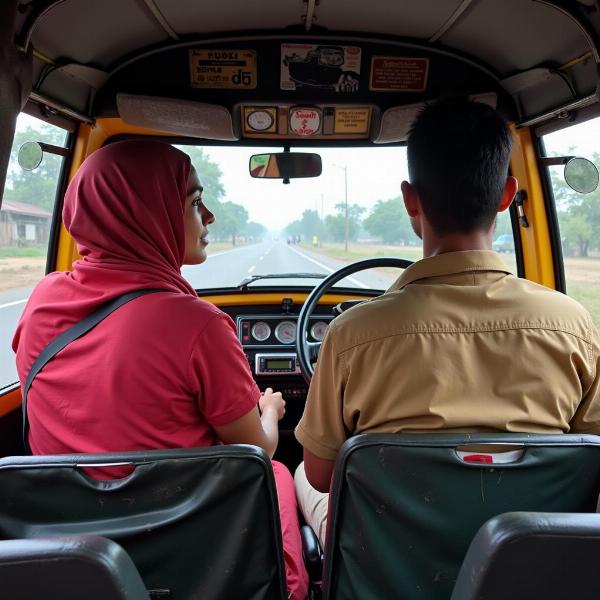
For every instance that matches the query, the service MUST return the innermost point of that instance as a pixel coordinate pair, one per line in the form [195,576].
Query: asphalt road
[223,269]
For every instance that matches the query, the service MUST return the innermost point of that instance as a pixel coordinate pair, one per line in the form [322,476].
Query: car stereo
[276,364]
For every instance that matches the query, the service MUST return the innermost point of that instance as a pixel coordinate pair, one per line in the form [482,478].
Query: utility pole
[346,208]
[346,221]
[322,206]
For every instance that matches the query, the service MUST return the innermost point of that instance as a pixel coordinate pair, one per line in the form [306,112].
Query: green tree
[336,224]
[309,225]
[389,221]
[231,220]
[209,174]
[578,214]
[255,231]
[36,187]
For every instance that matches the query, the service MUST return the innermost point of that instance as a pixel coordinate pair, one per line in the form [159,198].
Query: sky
[373,174]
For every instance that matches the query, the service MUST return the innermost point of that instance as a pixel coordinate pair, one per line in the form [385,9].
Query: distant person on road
[457,343]
[165,370]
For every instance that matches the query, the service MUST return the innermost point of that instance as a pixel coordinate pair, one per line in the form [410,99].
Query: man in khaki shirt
[458,343]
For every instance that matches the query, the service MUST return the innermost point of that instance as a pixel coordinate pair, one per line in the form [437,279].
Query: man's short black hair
[458,153]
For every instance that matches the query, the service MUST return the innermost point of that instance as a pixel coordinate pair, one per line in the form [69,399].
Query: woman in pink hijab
[165,370]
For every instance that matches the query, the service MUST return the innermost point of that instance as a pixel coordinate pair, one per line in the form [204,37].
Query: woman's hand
[260,430]
[271,400]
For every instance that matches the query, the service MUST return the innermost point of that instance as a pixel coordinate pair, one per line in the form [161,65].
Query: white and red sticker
[305,121]
[398,74]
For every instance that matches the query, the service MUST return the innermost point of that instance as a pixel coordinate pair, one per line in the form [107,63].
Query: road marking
[319,264]
[14,303]
[251,268]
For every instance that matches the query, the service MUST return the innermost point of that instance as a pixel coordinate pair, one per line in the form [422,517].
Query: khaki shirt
[457,343]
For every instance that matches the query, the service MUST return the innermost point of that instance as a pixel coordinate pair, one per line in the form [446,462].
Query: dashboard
[268,337]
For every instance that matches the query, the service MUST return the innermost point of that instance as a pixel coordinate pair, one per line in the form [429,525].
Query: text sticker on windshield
[351,120]
[230,69]
[313,66]
[393,74]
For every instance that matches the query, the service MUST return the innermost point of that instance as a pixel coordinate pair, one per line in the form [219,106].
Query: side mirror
[581,175]
[285,165]
[30,156]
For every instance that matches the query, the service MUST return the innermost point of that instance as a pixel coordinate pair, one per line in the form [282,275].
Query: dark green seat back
[68,568]
[201,523]
[527,555]
[404,508]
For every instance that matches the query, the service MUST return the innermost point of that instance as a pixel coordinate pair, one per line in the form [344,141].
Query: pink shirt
[160,372]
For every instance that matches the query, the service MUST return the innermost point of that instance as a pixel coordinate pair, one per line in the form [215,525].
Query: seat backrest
[197,523]
[404,508]
[532,555]
[69,568]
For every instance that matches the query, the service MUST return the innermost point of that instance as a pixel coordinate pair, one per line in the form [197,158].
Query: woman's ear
[510,190]
[411,199]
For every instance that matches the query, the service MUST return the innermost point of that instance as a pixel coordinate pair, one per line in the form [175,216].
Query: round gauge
[285,332]
[260,120]
[318,330]
[261,331]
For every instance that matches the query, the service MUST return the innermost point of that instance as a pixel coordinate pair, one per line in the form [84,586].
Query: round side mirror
[30,156]
[581,175]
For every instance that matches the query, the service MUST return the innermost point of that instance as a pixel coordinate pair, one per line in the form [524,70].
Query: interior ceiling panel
[105,31]
[541,35]
[96,32]
[415,19]
[191,16]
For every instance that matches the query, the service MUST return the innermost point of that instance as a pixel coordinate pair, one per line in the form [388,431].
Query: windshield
[313,226]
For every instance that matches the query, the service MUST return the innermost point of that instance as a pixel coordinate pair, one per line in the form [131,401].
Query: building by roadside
[23,224]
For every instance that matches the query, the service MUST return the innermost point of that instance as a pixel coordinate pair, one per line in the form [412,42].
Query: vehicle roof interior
[537,56]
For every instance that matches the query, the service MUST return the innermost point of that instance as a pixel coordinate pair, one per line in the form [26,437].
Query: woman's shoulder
[183,307]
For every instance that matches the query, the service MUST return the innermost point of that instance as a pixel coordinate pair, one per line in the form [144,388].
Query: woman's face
[196,218]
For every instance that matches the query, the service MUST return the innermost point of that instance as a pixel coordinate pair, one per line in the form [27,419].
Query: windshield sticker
[260,119]
[351,120]
[334,68]
[230,69]
[393,74]
[305,121]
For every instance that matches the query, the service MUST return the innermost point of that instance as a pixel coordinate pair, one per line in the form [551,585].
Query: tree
[578,214]
[36,187]
[209,174]
[255,231]
[389,221]
[308,226]
[336,224]
[231,220]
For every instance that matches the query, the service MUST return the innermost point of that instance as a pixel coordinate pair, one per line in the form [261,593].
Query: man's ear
[508,195]
[411,199]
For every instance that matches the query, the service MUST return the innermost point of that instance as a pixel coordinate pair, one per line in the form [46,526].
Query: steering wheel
[309,351]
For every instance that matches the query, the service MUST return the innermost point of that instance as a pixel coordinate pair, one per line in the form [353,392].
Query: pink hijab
[124,208]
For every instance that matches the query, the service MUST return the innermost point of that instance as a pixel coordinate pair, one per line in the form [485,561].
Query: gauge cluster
[267,330]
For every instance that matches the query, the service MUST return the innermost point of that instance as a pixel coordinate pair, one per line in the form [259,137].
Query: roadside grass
[15,252]
[359,251]
[215,247]
[583,280]
[587,294]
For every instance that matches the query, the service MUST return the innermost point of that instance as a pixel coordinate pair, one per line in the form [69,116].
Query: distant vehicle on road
[503,243]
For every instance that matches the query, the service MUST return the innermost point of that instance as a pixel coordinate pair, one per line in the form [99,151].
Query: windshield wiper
[243,285]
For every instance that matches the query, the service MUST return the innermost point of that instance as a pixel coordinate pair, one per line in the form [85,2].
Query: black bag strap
[65,338]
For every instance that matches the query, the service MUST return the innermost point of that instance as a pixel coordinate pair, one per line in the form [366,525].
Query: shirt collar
[451,263]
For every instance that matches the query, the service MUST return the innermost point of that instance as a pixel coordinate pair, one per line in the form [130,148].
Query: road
[229,268]
[223,269]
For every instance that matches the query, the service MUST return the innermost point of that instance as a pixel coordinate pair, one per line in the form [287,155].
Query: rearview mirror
[285,165]
[581,175]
